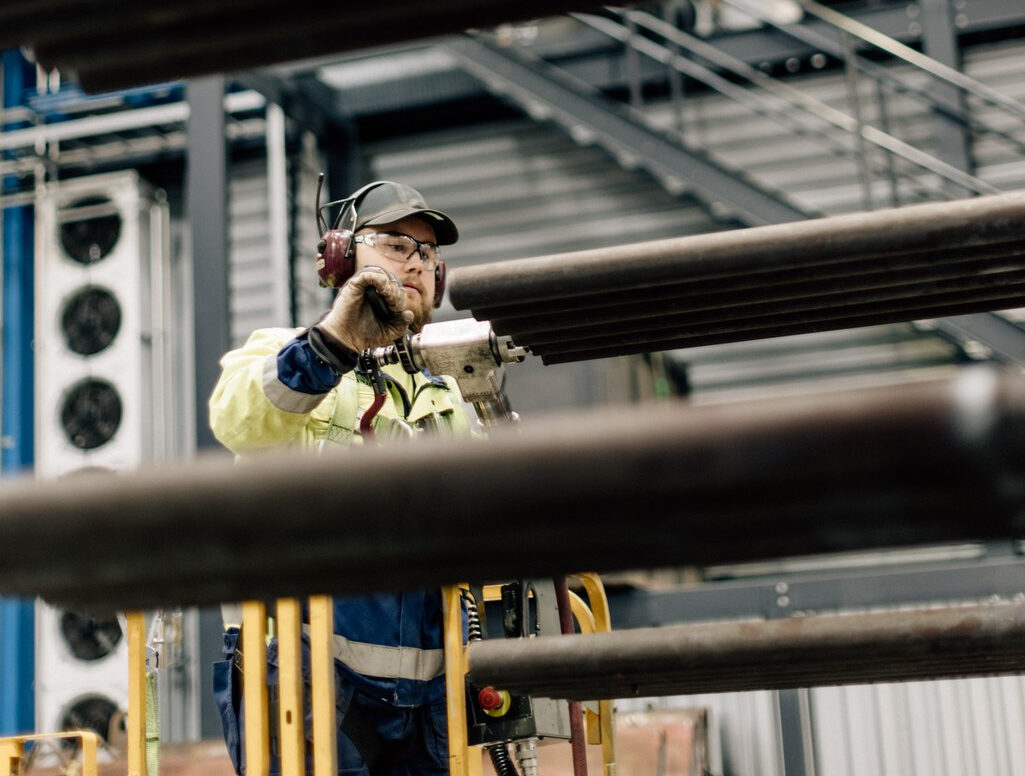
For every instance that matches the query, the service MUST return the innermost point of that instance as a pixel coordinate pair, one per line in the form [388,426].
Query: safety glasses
[400,247]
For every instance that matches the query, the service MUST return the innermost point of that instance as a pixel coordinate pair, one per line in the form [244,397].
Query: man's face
[418,282]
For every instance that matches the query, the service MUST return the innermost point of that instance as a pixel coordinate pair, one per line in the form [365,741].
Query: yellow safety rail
[290,687]
[593,618]
[136,718]
[12,750]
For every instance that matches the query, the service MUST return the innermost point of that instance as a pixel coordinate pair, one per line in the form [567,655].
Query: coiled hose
[499,753]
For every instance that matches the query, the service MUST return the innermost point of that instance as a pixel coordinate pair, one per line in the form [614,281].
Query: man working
[302,388]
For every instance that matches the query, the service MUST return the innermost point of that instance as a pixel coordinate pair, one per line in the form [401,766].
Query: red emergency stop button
[489,698]
[495,703]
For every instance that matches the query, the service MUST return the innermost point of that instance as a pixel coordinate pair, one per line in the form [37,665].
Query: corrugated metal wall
[519,188]
[964,727]
[249,255]
[252,269]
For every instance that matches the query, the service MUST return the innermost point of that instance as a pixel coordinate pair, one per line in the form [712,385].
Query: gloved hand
[351,321]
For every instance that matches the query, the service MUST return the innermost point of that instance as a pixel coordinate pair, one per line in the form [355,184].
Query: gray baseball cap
[388,201]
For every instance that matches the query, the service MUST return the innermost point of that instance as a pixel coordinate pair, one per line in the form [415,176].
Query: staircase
[844,143]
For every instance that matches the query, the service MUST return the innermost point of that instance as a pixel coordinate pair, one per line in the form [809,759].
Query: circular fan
[88,240]
[90,321]
[90,712]
[91,413]
[89,638]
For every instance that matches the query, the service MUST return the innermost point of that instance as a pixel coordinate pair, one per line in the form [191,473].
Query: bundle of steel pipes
[624,488]
[924,261]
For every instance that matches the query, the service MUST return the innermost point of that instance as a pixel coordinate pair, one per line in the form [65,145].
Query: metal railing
[846,134]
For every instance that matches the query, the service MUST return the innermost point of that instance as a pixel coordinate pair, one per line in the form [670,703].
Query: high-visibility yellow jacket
[275,392]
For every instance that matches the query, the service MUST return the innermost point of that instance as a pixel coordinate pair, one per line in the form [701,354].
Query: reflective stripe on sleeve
[283,397]
[378,660]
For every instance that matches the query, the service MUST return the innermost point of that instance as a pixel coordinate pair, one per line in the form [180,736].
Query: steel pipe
[759,655]
[831,273]
[671,485]
[781,287]
[774,326]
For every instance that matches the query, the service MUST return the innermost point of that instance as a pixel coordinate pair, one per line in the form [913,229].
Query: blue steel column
[17,646]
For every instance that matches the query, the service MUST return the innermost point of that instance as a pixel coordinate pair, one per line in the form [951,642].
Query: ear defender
[336,259]
[336,253]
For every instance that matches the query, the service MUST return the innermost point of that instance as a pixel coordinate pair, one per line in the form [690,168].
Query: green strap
[152,749]
[343,419]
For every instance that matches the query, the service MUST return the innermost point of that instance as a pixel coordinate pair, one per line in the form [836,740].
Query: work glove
[352,321]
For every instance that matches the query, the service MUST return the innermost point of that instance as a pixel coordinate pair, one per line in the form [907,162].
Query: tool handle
[380,308]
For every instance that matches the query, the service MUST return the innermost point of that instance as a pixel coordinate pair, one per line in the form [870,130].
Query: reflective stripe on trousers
[414,663]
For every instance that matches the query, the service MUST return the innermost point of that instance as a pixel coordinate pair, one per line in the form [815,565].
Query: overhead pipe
[831,273]
[807,651]
[110,45]
[937,461]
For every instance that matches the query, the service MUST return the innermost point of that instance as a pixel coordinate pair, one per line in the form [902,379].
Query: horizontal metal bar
[928,462]
[121,121]
[934,226]
[758,655]
[893,579]
[1005,338]
[158,44]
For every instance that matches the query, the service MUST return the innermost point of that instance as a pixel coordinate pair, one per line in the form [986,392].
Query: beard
[423,310]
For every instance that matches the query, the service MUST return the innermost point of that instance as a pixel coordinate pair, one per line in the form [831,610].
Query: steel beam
[1002,337]
[668,486]
[206,178]
[924,261]
[758,655]
[774,595]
